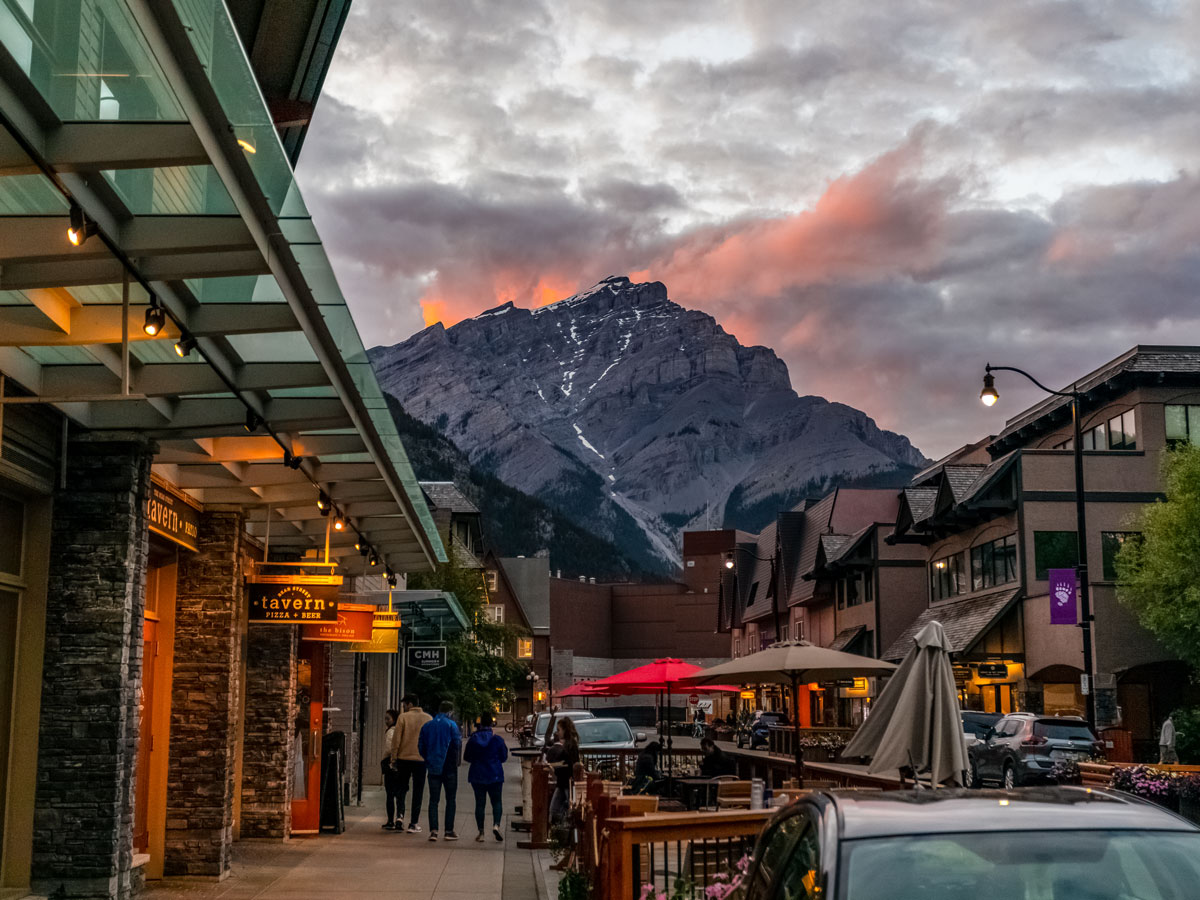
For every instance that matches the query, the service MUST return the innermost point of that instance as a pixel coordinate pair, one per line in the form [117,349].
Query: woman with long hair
[563,755]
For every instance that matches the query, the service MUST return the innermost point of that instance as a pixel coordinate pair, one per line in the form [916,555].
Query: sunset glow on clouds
[888,195]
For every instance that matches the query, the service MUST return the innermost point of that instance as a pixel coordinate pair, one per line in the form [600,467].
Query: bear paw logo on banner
[1062,594]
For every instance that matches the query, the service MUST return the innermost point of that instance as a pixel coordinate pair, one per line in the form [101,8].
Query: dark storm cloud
[888,194]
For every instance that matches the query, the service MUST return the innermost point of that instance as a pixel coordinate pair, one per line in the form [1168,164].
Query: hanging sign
[172,517]
[290,604]
[993,670]
[747,695]
[1062,596]
[383,640]
[427,658]
[353,623]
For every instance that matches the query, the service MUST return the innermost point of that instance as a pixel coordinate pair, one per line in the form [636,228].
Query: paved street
[368,861]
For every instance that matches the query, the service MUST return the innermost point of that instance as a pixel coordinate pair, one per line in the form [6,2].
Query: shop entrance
[12,537]
[310,710]
[997,698]
[141,806]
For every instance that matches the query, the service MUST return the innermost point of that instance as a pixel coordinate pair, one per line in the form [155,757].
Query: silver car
[544,723]
[607,734]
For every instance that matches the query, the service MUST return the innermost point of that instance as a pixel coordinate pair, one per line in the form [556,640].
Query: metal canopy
[160,136]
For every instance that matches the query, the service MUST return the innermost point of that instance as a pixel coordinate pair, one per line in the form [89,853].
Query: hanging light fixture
[323,502]
[360,546]
[339,524]
[373,559]
[81,227]
[156,318]
[185,345]
[391,578]
[729,560]
[253,420]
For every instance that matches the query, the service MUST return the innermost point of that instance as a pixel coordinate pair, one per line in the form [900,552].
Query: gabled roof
[529,579]
[965,621]
[959,480]
[446,495]
[846,637]
[920,502]
[758,570]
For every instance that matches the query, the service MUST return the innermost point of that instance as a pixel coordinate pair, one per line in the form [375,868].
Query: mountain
[514,524]
[634,416]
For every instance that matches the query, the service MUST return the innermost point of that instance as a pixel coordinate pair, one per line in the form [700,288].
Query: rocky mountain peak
[632,414]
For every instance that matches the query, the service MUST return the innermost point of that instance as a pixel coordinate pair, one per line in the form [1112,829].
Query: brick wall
[268,754]
[83,818]
[204,702]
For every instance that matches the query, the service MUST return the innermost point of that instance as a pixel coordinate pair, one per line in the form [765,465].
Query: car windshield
[1062,731]
[543,722]
[597,731]
[1056,865]
[978,725]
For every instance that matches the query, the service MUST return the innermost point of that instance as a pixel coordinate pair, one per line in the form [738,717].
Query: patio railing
[618,765]
[663,848]
[816,744]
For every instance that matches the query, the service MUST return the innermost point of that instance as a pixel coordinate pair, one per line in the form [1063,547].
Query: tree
[479,672]
[1158,577]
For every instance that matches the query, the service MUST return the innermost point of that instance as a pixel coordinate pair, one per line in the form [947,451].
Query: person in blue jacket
[440,745]
[486,751]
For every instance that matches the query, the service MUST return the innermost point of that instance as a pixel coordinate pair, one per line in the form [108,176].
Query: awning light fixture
[253,420]
[185,345]
[81,227]
[323,502]
[339,524]
[156,318]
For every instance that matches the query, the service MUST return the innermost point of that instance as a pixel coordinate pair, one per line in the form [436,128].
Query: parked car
[755,734]
[607,734]
[547,721]
[1050,843]
[976,726]
[1022,748]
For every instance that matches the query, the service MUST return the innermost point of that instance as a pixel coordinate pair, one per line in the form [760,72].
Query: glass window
[948,576]
[1111,543]
[1183,423]
[994,563]
[773,853]
[1054,550]
[801,878]
[1148,865]
[525,648]
[1122,433]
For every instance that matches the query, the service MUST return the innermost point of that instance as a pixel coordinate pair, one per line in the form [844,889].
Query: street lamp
[730,564]
[989,396]
[531,677]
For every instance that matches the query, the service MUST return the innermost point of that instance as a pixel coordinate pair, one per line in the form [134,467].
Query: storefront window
[1054,550]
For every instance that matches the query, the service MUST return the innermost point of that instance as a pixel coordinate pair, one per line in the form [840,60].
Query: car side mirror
[640,737]
[991,733]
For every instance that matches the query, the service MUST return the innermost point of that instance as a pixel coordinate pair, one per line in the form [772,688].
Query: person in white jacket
[1166,744]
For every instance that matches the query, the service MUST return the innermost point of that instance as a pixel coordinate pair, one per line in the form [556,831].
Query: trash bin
[1118,744]
[333,774]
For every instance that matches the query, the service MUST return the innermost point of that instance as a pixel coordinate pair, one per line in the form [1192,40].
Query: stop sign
[694,699]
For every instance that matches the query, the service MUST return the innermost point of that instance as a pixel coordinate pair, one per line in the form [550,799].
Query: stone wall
[204,701]
[88,738]
[268,749]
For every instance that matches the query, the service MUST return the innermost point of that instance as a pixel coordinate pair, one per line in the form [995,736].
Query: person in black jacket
[716,761]
[645,772]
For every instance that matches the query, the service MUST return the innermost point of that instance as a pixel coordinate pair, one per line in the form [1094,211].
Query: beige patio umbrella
[916,721]
[794,663]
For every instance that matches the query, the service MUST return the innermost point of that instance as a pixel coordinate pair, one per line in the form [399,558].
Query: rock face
[634,416]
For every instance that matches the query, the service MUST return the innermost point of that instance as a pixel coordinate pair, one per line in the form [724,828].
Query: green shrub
[1187,735]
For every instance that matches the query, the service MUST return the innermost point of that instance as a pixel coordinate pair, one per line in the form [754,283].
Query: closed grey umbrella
[916,721]
[794,663]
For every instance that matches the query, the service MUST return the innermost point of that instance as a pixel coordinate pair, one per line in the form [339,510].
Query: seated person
[716,761]
[646,773]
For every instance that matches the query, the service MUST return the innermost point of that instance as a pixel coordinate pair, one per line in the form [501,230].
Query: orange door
[141,805]
[310,708]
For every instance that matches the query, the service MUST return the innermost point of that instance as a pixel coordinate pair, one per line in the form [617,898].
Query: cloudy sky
[887,194]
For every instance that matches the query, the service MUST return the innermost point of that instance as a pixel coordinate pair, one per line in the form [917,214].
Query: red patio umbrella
[660,675]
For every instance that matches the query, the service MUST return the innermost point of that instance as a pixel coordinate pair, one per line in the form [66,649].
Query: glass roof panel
[30,195]
[60,356]
[14,298]
[163,351]
[325,391]
[101,72]
[107,294]
[238,289]
[291,346]
[172,191]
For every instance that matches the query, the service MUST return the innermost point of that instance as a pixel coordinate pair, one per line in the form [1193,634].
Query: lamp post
[989,396]
[531,677]
[730,563]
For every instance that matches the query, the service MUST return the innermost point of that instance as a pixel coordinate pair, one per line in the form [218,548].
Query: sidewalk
[368,861]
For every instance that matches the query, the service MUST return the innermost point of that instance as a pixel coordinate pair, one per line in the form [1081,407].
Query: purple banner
[1063,597]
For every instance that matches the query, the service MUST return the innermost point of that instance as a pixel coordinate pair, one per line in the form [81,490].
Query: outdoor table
[691,787]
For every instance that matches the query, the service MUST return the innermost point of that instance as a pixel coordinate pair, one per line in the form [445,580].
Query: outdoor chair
[733,795]
[713,789]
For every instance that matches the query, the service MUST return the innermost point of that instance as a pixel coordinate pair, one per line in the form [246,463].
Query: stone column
[92,673]
[268,749]
[204,701]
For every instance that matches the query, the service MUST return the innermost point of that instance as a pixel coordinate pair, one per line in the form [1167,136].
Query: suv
[1049,842]
[757,731]
[1023,748]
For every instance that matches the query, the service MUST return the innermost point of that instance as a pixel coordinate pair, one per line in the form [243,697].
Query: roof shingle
[964,621]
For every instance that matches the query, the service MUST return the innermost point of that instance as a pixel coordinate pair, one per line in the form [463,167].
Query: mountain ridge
[633,415]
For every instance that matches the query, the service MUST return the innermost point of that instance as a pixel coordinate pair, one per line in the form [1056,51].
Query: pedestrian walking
[1166,744]
[391,778]
[486,751]
[440,745]
[407,762]
[562,755]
